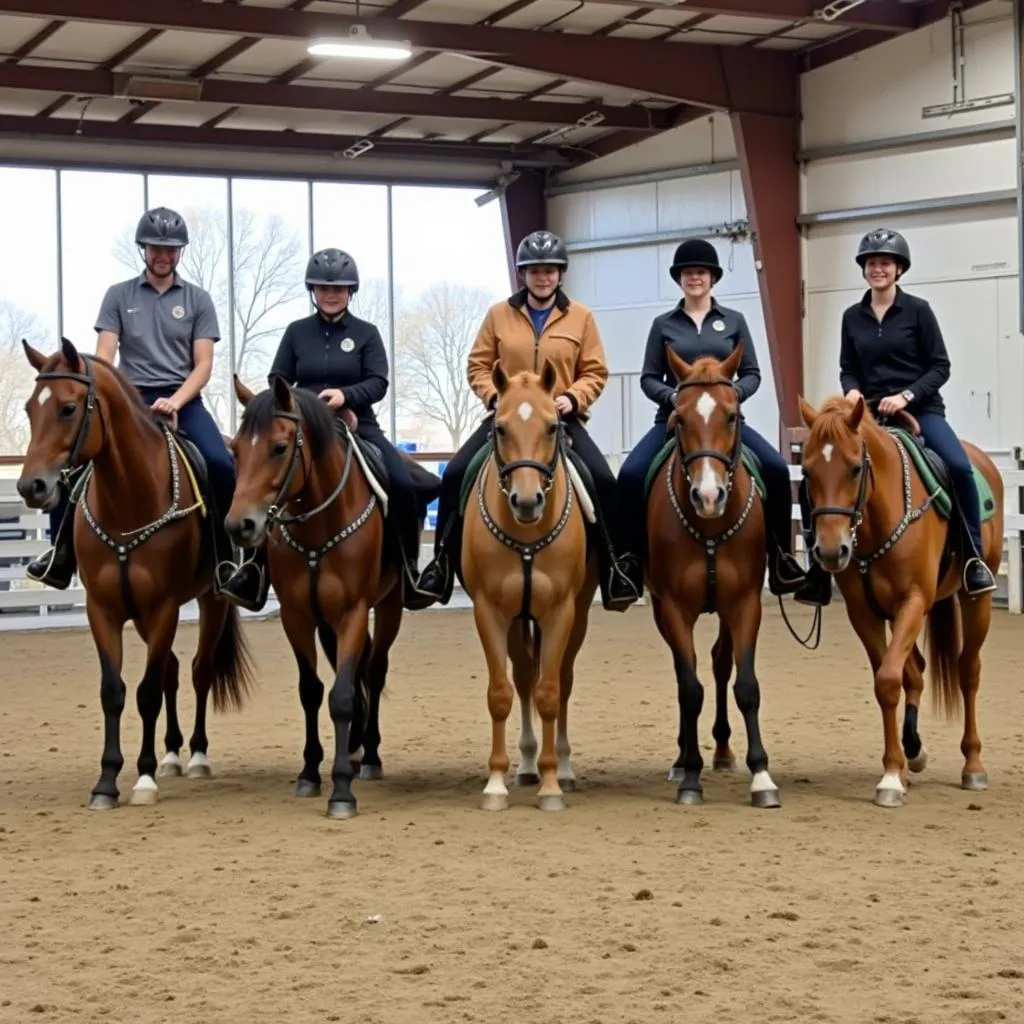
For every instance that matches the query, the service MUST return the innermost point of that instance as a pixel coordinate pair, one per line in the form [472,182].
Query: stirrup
[988,588]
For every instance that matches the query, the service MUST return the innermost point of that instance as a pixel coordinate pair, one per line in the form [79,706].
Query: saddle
[749,459]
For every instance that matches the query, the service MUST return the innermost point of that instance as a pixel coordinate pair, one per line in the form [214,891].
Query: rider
[165,329]
[535,323]
[698,326]
[893,355]
[343,361]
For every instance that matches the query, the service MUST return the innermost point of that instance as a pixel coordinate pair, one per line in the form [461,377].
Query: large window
[28,290]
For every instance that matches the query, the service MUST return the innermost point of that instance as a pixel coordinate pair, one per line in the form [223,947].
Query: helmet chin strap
[538,298]
[161,277]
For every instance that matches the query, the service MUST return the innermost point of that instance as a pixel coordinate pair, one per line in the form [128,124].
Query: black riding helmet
[161,226]
[332,267]
[541,248]
[884,242]
[695,252]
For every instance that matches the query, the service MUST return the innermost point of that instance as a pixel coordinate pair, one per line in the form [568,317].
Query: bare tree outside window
[16,375]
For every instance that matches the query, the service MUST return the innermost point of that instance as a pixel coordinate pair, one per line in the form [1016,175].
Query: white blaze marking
[254,440]
[706,406]
[44,396]
[525,411]
[708,487]
[826,452]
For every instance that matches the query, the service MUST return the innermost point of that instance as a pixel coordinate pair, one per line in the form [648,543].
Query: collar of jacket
[342,321]
[518,301]
[897,302]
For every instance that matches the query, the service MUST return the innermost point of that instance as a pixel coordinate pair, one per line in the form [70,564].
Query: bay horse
[303,490]
[526,566]
[879,530]
[707,553]
[143,542]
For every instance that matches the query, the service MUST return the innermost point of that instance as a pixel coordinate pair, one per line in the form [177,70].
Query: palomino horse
[709,558]
[143,551]
[524,563]
[303,490]
[873,518]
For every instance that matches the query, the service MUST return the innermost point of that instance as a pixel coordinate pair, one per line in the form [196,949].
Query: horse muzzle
[835,558]
[247,531]
[40,492]
[526,509]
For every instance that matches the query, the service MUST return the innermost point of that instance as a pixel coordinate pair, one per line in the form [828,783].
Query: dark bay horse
[302,490]
[895,558]
[526,567]
[706,553]
[143,551]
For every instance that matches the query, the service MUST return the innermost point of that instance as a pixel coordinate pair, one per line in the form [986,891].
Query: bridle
[546,469]
[855,513]
[91,405]
[730,459]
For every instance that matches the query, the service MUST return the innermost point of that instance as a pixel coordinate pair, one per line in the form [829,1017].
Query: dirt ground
[231,901]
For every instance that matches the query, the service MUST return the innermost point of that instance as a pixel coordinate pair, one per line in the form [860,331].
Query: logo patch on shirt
[347,345]
[178,312]
[719,325]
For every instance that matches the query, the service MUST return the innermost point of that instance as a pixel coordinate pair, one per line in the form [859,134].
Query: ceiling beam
[721,77]
[73,130]
[48,30]
[106,84]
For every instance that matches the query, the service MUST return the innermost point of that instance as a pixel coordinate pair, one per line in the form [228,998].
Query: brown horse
[705,525]
[525,566]
[302,489]
[143,551]
[874,520]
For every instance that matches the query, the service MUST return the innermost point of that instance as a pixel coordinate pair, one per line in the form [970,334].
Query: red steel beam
[767,148]
[104,83]
[721,77]
[523,209]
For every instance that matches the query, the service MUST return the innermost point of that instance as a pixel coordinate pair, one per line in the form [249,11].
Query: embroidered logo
[178,312]
[719,325]
[347,345]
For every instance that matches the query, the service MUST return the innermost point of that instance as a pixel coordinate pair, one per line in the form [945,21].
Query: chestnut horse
[706,548]
[302,489]
[525,565]
[143,551]
[878,530]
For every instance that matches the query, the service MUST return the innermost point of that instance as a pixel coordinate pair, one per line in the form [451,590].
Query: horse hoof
[724,764]
[340,810]
[976,781]
[494,802]
[889,798]
[304,788]
[371,772]
[199,767]
[675,773]
[170,767]
[765,798]
[144,793]
[690,797]
[551,802]
[568,785]
[527,779]
[102,802]
[919,763]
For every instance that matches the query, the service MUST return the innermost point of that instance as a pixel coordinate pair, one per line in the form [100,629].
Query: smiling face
[881,272]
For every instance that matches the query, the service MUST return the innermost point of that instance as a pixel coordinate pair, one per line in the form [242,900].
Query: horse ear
[34,356]
[498,377]
[807,412]
[548,377]
[856,414]
[729,366]
[242,393]
[679,366]
[283,395]
[70,354]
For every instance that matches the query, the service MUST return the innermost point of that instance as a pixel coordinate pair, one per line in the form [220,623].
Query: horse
[144,546]
[328,568]
[526,566]
[710,557]
[875,518]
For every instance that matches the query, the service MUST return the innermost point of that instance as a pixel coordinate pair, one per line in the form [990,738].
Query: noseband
[546,469]
[856,513]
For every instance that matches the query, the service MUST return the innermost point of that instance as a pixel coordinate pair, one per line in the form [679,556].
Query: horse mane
[261,411]
[130,390]
[831,426]
[705,370]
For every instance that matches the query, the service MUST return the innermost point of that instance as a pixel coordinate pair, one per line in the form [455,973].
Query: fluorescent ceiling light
[359,44]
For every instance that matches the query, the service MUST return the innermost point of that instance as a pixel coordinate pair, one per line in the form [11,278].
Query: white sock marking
[761,782]
[891,780]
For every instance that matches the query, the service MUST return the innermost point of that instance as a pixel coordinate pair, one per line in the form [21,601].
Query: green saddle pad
[936,488]
[750,460]
[472,472]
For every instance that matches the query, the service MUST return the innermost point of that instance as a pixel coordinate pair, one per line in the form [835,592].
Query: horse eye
[68,410]
[732,418]
[499,430]
[855,470]
[279,448]
[552,429]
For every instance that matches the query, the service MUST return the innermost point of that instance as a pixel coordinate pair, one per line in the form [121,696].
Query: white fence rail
[25,604]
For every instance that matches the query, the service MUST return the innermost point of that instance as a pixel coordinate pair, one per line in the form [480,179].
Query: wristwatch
[908,395]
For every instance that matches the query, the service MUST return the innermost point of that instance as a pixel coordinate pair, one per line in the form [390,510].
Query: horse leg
[301,633]
[387,620]
[341,702]
[913,687]
[675,773]
[524,671]
[493,634]
[160,632]
[107,634]
[721,663]
[584,600]
[554,642]
[213,614]
[975,619]
[744,625]
[170,763]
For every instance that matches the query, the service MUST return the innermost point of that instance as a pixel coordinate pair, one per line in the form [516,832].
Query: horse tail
[232,665]
[944,655]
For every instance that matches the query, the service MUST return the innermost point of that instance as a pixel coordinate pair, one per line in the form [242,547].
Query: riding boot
[816,590]
[977,578]
[56,566]
[248,583]
[413,599]
[438,578]
[785,574]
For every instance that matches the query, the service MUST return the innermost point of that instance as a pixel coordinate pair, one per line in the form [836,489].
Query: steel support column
[767,149]
[1018,90]
[523,209]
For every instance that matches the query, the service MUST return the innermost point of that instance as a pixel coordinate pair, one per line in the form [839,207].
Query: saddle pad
[750,460]
[375,484]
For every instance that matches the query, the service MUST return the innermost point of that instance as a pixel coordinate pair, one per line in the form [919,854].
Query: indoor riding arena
[426,138]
